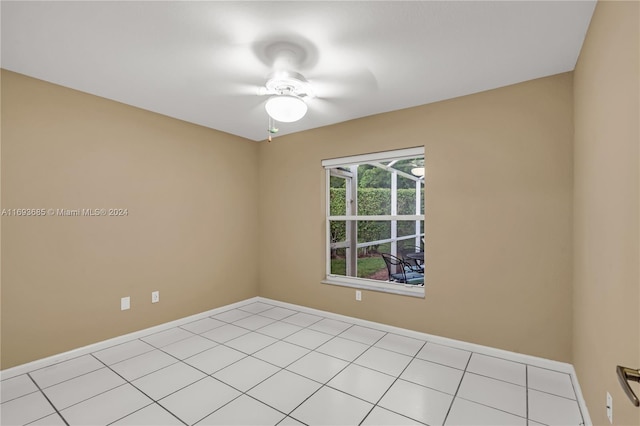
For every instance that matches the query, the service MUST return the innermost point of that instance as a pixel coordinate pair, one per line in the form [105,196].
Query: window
[375,221]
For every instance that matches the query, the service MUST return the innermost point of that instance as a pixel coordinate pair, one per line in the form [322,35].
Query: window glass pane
[338,231]
[370,176]
[336,182]
[371,265]
[373,230]
[409,246]
[338,262]
[405,227]
[406,184]
[338,201]
[367,262]
[406,201]
[374,190]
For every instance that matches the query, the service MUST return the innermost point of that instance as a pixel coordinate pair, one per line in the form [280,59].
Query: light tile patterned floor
[261,364]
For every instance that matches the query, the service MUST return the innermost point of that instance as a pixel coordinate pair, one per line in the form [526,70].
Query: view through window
[375,221]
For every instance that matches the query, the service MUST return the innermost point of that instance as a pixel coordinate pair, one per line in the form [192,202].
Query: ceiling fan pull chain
[272,129]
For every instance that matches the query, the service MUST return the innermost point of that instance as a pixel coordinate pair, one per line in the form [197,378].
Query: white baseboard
[472,347]
[74,353]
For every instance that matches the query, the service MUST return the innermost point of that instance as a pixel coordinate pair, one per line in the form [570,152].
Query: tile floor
[261,364]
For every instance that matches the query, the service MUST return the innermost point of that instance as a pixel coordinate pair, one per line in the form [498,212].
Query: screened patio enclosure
[376,208]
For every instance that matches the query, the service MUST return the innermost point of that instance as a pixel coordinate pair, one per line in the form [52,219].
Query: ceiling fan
[288,89]
[290,94]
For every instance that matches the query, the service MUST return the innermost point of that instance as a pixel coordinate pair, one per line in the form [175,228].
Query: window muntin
[374,205]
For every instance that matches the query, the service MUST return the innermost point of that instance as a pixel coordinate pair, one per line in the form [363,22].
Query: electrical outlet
[155,296]
[358,295]
[125,303]
[609,408]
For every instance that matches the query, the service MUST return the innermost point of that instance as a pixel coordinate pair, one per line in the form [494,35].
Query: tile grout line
[86,399]
[331,338]
[48,400]
[245,357]
[516,384]
[303,328]
[393,383]
[526,394]
[488,377]
[499,380]
[128,358]
[555,395]
[314,350]
[135,387]
[576,400]
[142,408]
[146,374]
[20,396]
[207,375]
[179,360]
[251,355]
[455,395]
[322,385]
[55,384]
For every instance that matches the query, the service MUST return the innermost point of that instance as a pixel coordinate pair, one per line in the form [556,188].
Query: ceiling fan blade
[321,106]
[349,84]
[244,89]
[290,52]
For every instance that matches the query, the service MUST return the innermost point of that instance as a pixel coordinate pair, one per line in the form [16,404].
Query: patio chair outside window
[400,271]
[417,264]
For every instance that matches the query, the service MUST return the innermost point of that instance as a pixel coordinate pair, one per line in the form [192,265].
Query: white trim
[580,398]
[471,347]
[345,244]
[74,353]
[396,154]
[327,226]
[549,364]
[380,286]
[399,172]
[379,217]
[394,212]
[562,367]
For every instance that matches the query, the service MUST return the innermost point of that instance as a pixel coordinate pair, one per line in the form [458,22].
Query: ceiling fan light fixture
[286,108]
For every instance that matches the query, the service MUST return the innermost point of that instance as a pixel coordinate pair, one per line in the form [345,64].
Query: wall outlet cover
[125,303]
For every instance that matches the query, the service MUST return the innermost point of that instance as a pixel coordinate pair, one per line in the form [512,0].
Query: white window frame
[364,283]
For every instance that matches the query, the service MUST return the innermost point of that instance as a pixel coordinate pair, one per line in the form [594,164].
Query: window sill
[383,287]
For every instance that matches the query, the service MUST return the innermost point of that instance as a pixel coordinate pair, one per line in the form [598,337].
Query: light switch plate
[609,408]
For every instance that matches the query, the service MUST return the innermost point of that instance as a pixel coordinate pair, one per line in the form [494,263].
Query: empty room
[320,213]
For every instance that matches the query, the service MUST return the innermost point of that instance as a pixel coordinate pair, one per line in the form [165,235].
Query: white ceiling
[203,62]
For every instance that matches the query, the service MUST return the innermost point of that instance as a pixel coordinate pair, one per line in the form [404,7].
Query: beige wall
[498,217]
[606,232]
[190,232]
